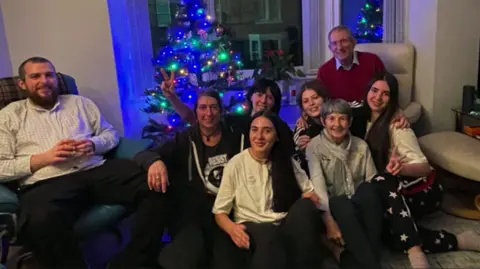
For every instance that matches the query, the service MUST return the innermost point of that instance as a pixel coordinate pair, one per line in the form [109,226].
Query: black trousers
[192,243]
[49,208]
[293,243]
[360,221]
[402,211]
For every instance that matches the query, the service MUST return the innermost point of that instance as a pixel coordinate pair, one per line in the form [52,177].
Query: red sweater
[350,85]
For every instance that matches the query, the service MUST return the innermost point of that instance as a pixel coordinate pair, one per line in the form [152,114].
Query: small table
[457,155]
[461,117]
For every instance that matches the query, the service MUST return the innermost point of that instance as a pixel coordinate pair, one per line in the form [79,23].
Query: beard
[46,102]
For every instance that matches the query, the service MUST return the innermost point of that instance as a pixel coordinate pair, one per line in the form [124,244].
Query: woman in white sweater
[271,225]
[340,168]
[409,190]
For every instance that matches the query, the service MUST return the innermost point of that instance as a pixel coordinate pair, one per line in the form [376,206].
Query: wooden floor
[454,260]
[440,220]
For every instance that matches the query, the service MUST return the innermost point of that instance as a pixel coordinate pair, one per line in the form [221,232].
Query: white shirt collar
[31,104]
[355,61]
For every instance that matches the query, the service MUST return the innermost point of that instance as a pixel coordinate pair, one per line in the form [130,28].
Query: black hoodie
[185,161]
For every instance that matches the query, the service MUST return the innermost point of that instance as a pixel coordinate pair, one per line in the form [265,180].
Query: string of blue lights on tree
[370,23]
[199,52]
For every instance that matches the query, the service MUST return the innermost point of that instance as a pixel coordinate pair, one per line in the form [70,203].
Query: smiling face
[262,101]
[262,135]
[337,126]
[208,112]
[40,83]
[312,103]
[378,96]
[341,44]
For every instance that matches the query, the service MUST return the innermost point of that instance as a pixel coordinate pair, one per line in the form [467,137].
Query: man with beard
[53,145]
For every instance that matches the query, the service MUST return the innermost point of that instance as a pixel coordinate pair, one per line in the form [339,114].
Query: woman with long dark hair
[409,188]
[271,225]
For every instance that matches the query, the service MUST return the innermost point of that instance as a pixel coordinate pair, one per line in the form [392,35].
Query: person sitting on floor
[410,189]
[271,226]
[341,168]
[53,145]
[195,161]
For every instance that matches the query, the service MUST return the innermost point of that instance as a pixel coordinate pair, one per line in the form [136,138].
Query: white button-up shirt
[27,129]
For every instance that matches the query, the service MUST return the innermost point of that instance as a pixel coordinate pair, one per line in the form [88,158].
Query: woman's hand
[239,236]
[302,142]
[168,84]
[395,164]
[158,177]
[312,196]
[333,232]
[399,121]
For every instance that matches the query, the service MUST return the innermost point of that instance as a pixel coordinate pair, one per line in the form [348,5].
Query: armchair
[399,60]
[102,222]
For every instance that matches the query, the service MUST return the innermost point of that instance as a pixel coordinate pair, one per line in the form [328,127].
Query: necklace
[207,136]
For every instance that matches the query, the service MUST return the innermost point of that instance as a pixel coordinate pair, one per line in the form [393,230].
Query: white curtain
[393,21]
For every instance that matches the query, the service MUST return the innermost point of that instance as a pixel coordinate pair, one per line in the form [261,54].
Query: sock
[418,260]
[468,240]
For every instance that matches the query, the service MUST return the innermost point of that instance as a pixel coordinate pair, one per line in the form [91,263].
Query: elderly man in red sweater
[347,73]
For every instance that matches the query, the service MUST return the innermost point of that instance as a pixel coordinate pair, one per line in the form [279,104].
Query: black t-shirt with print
[215,158]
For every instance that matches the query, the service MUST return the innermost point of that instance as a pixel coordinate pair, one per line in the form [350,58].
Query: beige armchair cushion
[454,152]
[398,60]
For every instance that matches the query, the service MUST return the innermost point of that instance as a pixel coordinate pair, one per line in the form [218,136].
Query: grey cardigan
[338,169]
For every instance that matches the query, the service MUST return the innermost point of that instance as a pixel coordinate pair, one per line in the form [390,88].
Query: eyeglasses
[341,42]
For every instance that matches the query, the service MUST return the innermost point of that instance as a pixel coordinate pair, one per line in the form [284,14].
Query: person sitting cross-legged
[409,188]
[188,169]
[341,168]
[271,225]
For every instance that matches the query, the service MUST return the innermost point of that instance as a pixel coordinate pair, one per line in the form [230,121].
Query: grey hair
[341,28]
[339,106]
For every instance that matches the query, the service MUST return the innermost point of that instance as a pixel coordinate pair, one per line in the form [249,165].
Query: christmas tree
[370,23]
[198,57]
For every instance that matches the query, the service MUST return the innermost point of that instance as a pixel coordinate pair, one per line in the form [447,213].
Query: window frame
[313,44]
[160,14]
[267,19]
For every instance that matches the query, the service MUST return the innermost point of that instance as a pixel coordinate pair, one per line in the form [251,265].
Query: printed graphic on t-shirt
[214,171]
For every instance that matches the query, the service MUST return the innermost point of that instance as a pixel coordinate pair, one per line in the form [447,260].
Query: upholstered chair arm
[413,112]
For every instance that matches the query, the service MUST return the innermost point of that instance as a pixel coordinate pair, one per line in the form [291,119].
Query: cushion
[454,152]
[94,220]
[8,200]
[398,59]
[128,148]
[98,219]
[10,91]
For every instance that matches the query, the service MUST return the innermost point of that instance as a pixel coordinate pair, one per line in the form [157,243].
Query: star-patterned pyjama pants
[402,211]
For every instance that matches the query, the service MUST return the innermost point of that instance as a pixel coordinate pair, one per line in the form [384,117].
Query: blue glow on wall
[129,25]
